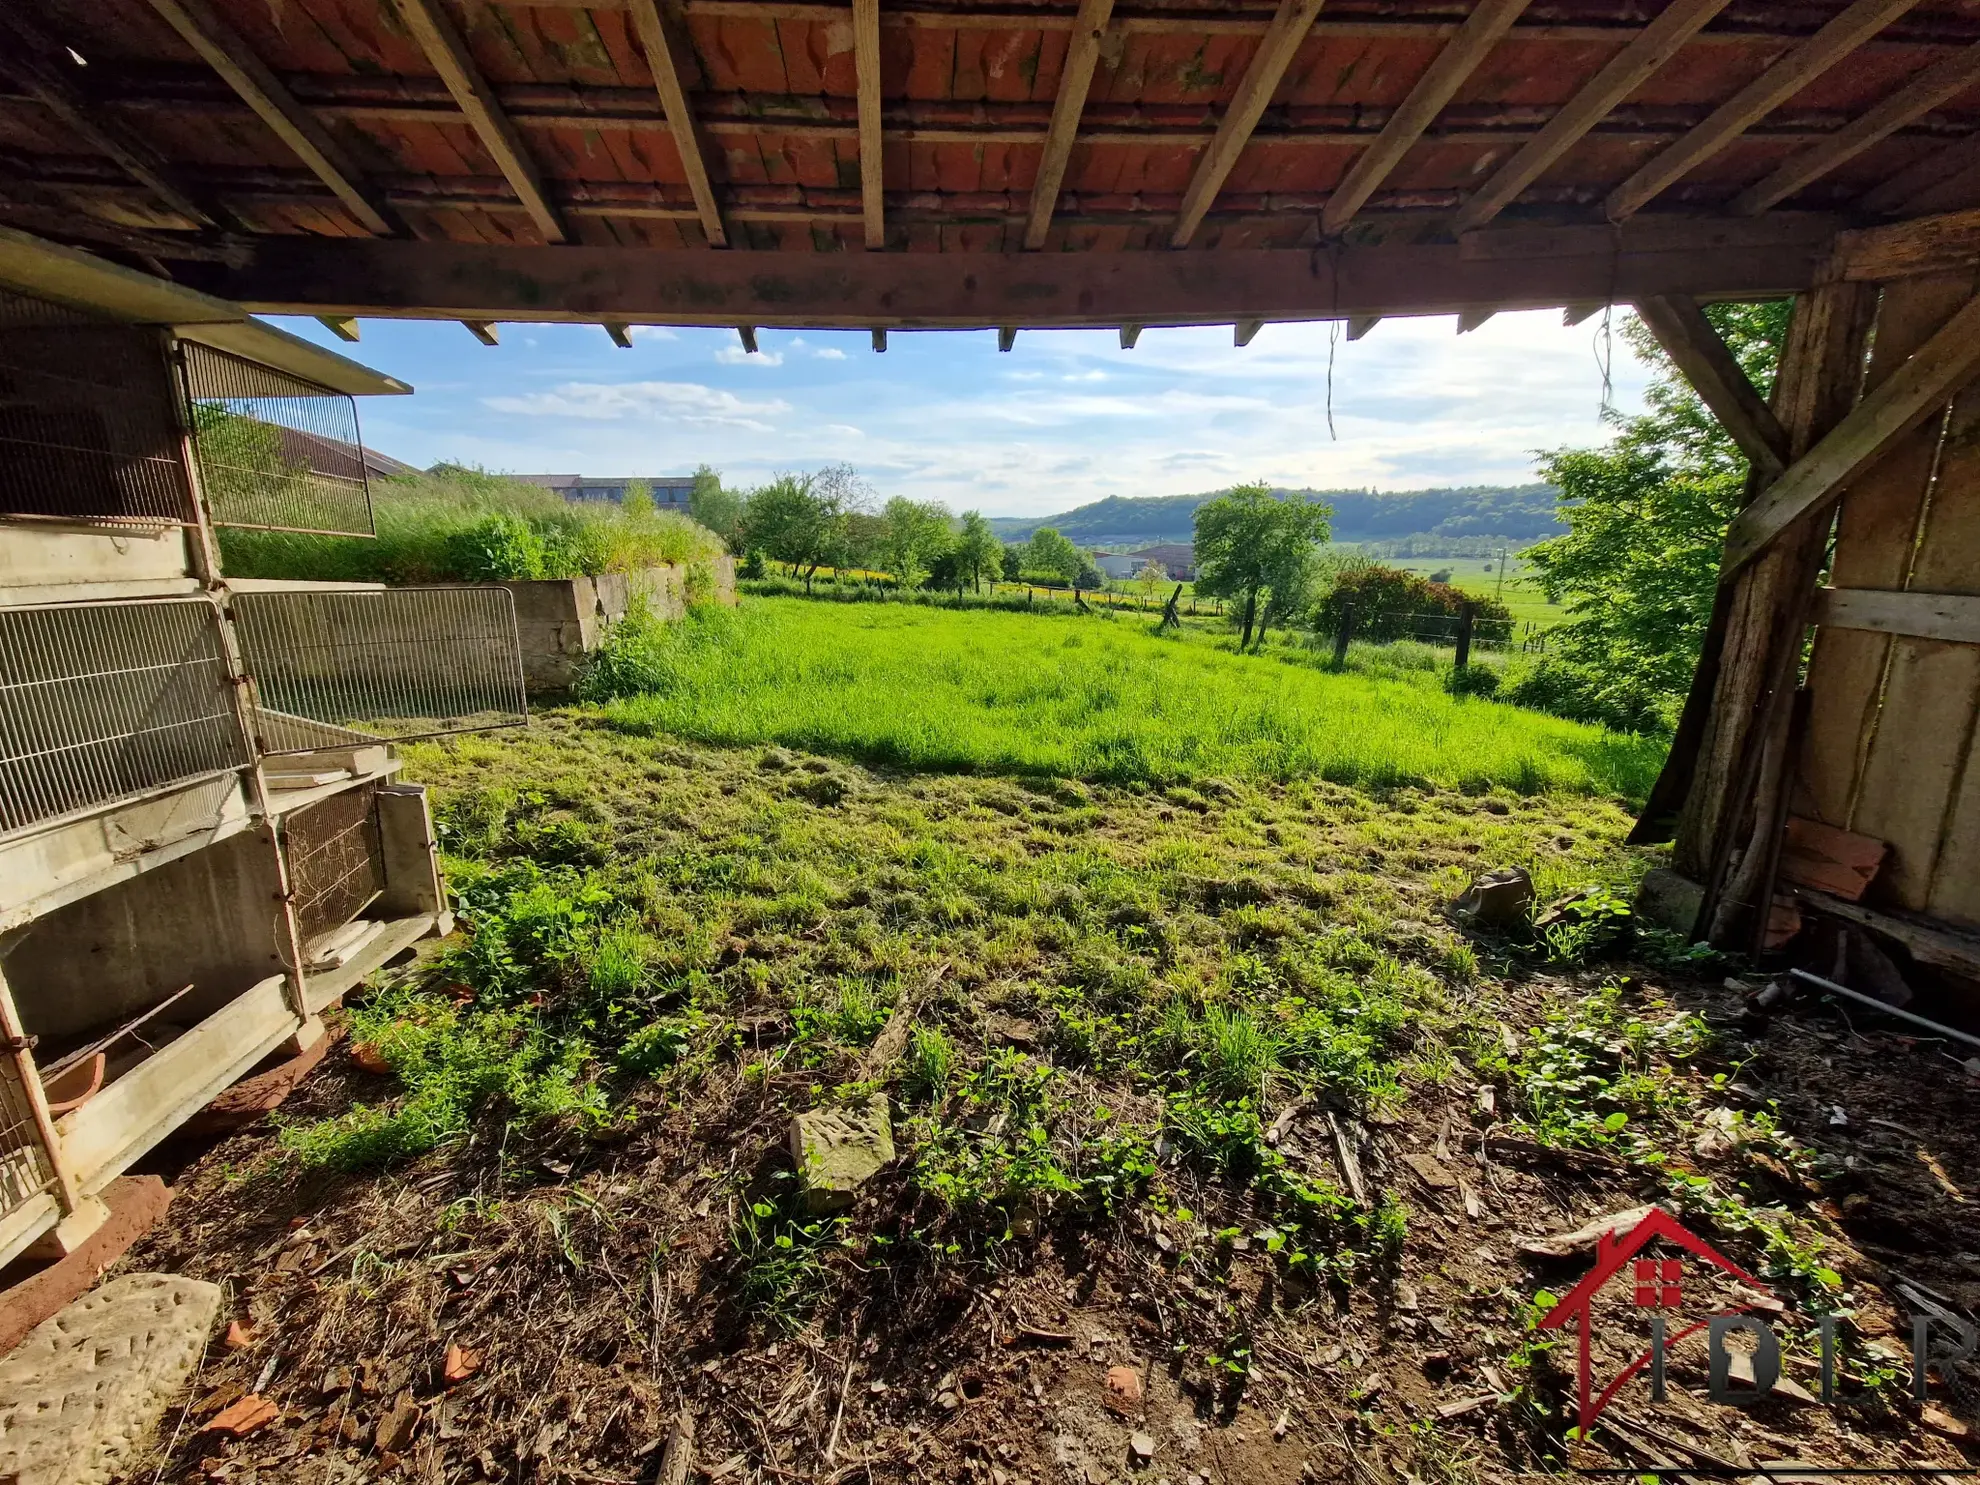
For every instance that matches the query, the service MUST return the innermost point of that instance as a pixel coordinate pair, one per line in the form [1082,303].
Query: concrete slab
[86,1388]
[136,1203]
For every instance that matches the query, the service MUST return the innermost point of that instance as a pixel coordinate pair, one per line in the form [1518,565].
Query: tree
[1013,560]
[916,533]
[978,551]
[1151,576]
[1251,544]
[1647,516]
[1051,555]
[792,521]
[720,510]
[638,499]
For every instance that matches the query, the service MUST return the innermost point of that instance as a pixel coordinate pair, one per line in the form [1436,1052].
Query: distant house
[670,491]
[1177,559]
[1116,564]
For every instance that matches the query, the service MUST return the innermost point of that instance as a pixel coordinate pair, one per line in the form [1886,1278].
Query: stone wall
[560,620]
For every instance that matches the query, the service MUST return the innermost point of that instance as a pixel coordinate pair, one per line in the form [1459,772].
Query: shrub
[1385,599]
[1587,693]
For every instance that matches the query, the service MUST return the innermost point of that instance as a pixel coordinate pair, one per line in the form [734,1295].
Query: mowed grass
[1099,698]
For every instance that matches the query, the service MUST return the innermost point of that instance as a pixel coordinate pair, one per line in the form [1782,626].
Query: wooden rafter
[747,335]
[620,332]
[483,331]
[1574,314]
[1907,192]
[1261,80]
[1943,80]
[1482,30]
[344,327]
[255,82]
[1624,73]
[872,171]
[1946,243]
[879,340]
[448,53]
[1756,258]
[1754,102]
[1082,53]
[661,62]
[31,59]
[1130,334]
[1935,371]
[1716,375]
[1006,337]
[1243,331]
[1470,319]
[1360,325]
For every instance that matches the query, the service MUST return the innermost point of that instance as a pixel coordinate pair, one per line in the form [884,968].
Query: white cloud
[827,353]
[653,332]
[689,403]
[735,355]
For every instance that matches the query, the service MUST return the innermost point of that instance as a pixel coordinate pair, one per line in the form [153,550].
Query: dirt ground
[542,1304]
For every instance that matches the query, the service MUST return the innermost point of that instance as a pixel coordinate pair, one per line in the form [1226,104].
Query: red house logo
[1658,1285]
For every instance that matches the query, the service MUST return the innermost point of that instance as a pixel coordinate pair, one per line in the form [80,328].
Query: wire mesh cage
[275,452]
[25,1170]
[336,864]
[89,427]
[390,662]
[103,701]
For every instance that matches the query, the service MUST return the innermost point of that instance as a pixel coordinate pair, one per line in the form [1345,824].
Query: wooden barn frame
[1029,164]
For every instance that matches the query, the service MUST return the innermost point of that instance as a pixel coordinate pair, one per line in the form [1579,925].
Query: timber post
[1343,632]
[1467,616]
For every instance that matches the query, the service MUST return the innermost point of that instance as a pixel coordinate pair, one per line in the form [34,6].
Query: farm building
[669,491]
[203,841]
[1115,564]
[1177,559]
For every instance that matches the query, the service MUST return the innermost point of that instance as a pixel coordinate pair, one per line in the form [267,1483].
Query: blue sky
[1065,418]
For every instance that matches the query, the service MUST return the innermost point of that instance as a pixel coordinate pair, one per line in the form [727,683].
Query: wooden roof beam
[443,47]
[1754,102]
[1006,337]
[344,327]
[1244,330]
[1911,190]
[222,49]
[747,335]
[1482,30]
[1943,80]
[879,340]
[1130,334]
[1360,325]
[1290,24]
[1574,314]
[1082,53]
[620,332]
[32,59]
[1470,319]
[1717,377]
[1624,73]
[688,140]
[1911,394]
[872,172]
[483,331]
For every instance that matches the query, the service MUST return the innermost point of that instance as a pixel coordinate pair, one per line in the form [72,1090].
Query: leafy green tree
[1051,555]
[917,532]
[1251,545]
[794,522]
[978,551]
[716,507]
[637,502]
[1647,515]
[1151,576]
[1013,560]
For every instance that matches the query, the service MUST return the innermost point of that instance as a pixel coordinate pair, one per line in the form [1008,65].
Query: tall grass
[464,525]
[1097,697]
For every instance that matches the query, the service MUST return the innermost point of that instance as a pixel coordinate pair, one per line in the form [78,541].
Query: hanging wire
[1333,338]
[1605,358]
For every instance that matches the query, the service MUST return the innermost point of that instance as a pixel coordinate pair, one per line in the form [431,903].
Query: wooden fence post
[1343,632]
[1467,613]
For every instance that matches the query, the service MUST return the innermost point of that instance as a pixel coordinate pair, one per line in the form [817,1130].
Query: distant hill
[1518,513]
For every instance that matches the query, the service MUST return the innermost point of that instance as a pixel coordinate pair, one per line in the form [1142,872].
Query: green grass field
[1094,697]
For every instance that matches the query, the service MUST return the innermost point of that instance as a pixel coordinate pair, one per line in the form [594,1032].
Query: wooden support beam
[344,327]
[1943,80]
[1913,189]
[1006,337]
[747,335]
[38,62]
[1471,319]
[1082,53]
[1953,618]
[1935,371]
[1290,24]
[1360,325]
[872,172]
[222,49]
[1243,330]
[1717,377]
[1574,314]
[1482,30]
[1947,243]
[659,48]
[879,340]
[483,331]
[1129,335]
[442,44]
[1754,102]
[1624,73]
[620,332]
[377,277]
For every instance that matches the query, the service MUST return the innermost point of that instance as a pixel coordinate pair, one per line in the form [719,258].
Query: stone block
[135,1204]
[86,1388]
[1667,900]
[838,1150]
